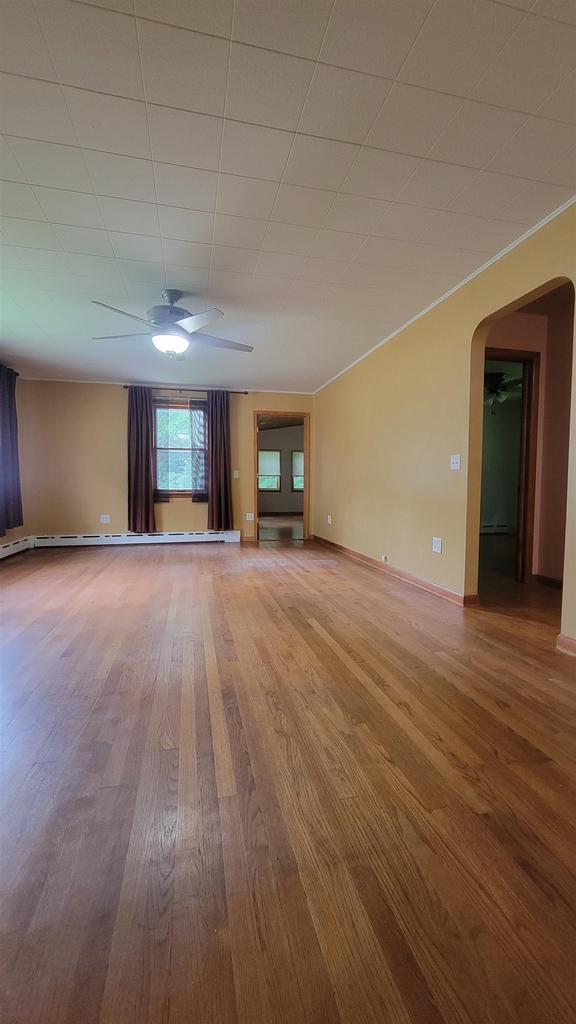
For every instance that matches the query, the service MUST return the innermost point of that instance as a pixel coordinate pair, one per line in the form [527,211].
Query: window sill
[163,496]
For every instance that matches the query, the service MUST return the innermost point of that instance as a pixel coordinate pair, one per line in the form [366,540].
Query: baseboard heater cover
[57,540]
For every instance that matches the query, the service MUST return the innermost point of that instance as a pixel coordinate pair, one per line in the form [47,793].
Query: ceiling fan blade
[211,342]
[123,312]
[112,337]
[198,320]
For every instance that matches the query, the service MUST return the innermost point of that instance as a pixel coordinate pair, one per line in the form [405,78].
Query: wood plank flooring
[246,785]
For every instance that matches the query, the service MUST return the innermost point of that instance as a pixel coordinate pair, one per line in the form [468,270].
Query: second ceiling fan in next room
[172,327]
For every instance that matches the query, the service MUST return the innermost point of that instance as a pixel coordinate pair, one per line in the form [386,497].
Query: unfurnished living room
[287,512]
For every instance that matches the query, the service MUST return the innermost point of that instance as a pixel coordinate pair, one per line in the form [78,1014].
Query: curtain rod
[171,387]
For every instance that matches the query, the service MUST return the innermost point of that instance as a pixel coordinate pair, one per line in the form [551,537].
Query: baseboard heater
[64,540]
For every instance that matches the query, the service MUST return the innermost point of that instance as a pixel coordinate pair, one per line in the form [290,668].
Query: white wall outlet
[236,474]
[250,517]
[383,558]
[456,461]
[437,545]
[329,520]
[104,519]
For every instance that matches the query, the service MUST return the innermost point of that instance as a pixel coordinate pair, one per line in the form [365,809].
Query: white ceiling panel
[321,171]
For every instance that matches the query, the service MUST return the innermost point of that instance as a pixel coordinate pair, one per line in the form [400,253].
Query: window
[181,449]
[297,471]
[268,471]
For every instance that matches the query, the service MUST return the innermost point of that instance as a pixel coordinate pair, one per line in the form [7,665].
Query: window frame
[270,490]
[161,493]
[296,490]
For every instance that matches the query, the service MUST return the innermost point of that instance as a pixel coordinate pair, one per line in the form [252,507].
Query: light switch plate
[104,519]
[456,461]
[437,545]
[236,474]
[329,520]
[250,517]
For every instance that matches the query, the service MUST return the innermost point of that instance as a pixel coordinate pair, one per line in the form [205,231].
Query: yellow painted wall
[385,429]
[73,458]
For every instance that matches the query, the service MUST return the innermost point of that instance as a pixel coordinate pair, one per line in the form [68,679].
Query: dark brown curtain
[219,482]
[141,461]
[10,494]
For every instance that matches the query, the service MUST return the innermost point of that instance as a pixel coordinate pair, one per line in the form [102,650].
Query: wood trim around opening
[305,417]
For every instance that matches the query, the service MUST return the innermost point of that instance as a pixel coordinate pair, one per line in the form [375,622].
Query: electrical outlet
[104,519]
[437,545]
[329,520]
[236,474]
[383,558]
[250,517]
[456,461]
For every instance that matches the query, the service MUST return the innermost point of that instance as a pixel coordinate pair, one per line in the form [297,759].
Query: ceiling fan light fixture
[170,344]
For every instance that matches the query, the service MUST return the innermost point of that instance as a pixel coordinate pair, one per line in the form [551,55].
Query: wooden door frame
[305,417]
[528,452]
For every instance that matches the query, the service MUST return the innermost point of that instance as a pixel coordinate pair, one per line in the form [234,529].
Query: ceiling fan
[172,327]
[498,387]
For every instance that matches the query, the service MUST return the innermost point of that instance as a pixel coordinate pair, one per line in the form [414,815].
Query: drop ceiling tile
[487,194]
[10,169]
[435,184]
[254,151]
[211,16]
[94,266]
[129,215]
[39,259]
[185,225]
[404,222]
[534,148]
[342,104]
[34,109]
[238,231]
[241,261]
[245,197]
[531,65]
[186,254]
[136,247]
[411,119]
[535,201]
[276,264]
[266,88]
[476,134]
[457,43]
[92,48]
[144,272]
[64,207]
[122,176]
[123,6]
[288,238]
[354,213]
[296,27]
[91,241]
[563,171]
[307,206]
[186,278]
[336,245]
[185,186]
[46,163]
[18,21]
[320,163]
[29,233]
[185,138]
[108,122]
[560,10]
[380,175]
[374,37]
[183,69]
[19,200]
[561,104]
[326,271]
[474,233]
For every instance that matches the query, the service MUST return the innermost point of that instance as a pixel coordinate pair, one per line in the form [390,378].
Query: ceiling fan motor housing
[161,316]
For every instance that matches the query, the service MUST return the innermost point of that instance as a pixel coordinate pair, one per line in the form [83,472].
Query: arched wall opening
[540,322]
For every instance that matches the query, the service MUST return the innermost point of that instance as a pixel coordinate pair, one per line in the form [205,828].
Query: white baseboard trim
[65,540]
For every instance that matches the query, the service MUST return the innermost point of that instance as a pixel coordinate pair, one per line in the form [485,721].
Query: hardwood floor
[248,785]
